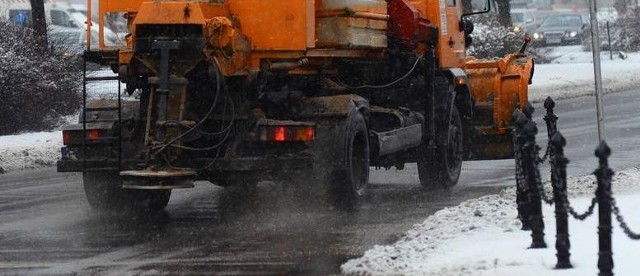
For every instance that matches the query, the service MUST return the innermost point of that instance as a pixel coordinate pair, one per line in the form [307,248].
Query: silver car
[524,21]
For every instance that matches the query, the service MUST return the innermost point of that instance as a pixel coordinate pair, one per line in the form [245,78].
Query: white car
[111,38]
[524,21]
[74,40]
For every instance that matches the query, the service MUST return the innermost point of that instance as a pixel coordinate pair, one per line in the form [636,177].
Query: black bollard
[550,118]
[522,200]
[532,176]
[528,110]
[604,174]
[559,182]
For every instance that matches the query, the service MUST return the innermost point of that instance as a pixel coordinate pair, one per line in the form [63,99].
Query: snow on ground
[30,150]
[480,236]
[571,74]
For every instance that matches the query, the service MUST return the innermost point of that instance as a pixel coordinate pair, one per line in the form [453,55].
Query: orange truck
[301,92]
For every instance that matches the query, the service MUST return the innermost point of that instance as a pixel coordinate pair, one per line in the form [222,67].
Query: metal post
[163,89]
[609,41]
[595,45]
[532,176]
[559,180]
[522,200]
[604,174]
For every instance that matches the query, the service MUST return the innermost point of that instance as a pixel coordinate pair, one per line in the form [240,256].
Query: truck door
[451,51]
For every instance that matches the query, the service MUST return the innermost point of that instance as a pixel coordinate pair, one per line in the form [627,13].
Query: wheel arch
[463,101]
[462,94]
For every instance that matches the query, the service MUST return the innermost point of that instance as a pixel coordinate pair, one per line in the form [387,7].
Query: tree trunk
[39,23]
[504,12]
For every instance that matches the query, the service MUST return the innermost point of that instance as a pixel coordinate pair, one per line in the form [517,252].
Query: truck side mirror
[466,25]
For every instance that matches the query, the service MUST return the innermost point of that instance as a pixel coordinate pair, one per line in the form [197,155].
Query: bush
[38,88]
[492,40]
[627,37]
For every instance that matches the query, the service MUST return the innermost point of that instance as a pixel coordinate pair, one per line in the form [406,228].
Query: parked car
[111,38]
[524,21]
[561,29]
[74,40]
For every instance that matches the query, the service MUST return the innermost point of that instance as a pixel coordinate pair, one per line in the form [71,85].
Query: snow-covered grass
[29,150]
[571,74]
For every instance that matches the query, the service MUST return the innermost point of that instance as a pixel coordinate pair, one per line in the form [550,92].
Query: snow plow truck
[301,92]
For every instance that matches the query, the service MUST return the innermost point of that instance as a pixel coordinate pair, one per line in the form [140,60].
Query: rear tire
[104,192]
[349,181]
[440,167]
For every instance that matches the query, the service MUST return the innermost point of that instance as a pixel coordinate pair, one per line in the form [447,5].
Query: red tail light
[279,134]
[93,135]
[295,133]
[74,137]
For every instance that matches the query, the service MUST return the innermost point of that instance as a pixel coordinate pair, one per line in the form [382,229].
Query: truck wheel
[440,167]
[350,181]
[104,193]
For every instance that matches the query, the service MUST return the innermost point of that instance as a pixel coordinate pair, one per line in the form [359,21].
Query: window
[20,17]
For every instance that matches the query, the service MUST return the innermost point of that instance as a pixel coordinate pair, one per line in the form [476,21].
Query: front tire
[441,167]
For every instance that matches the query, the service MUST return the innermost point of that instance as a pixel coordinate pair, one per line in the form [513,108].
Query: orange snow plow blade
[498,87]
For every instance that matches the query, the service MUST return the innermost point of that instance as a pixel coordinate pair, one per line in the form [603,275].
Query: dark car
[561,29]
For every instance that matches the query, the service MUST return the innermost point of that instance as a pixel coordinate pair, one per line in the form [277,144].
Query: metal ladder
[116,138]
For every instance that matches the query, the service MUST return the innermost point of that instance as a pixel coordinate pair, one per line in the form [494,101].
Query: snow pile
[483,237]
[416,251]
[30,150]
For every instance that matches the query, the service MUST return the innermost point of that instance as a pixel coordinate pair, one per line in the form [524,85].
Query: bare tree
[39,22]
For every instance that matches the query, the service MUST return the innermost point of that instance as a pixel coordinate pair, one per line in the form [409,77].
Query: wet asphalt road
[47,228]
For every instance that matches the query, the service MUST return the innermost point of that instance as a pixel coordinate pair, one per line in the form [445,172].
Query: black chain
[565,198]
[546,154]
[632,235]
[583,216]
[543,194]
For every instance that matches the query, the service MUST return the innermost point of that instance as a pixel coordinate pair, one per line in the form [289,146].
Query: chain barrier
[530,190]
[625,228]
[584,215]
[565,199]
